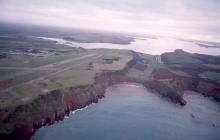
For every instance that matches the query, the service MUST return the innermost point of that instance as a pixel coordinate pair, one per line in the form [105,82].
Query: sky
[194,19]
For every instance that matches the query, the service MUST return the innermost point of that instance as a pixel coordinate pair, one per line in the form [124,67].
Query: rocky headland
[24,120]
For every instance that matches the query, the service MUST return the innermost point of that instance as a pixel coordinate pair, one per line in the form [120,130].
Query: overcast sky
[198,19]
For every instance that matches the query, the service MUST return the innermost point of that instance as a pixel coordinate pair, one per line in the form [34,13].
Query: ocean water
[131,112]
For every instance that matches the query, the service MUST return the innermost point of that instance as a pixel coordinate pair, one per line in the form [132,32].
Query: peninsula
[41,81]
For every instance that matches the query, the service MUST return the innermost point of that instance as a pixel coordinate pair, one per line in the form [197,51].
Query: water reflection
[147,45]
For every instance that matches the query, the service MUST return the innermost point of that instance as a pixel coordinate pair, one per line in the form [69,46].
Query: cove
[130,111]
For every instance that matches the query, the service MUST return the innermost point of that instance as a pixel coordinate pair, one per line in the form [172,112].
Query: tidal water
[131,112]
[146,45]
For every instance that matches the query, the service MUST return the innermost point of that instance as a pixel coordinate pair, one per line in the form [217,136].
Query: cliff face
[54,106]
[207,88]
[165,91]
[195,66]
[47,109]
[180,84]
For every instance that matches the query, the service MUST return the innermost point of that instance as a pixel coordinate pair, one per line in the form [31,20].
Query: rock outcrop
[47,109]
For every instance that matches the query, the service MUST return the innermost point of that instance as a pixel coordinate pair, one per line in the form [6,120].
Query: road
[48,67]
[53,67]
[158,59]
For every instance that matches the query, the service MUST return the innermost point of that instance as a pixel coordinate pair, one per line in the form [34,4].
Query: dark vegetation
[83,36]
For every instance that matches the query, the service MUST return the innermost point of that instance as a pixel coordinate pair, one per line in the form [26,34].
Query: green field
[8,100]
[27,91]
[180,57]
[214,76]
[32,61]
[147,74]
[69,78]
[37,67]
[44,74]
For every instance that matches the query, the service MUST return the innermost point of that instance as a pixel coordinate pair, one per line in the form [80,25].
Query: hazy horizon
[197,19]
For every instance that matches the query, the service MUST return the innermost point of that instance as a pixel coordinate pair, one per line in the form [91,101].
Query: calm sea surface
[131,112]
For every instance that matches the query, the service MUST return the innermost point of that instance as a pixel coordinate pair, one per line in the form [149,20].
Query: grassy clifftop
[40,86]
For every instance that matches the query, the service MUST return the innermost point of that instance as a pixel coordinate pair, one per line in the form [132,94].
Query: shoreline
[58,104]
[25,132]
[136,44]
